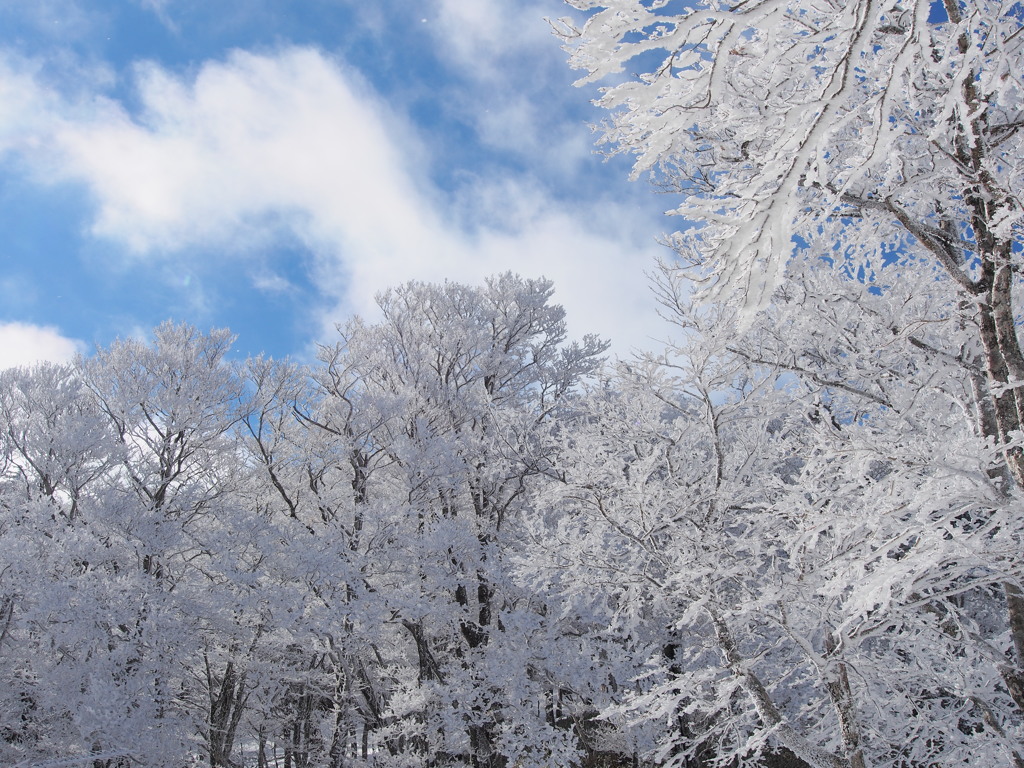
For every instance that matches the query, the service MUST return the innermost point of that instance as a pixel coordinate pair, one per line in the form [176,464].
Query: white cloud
[513,79]
[270,282]
[480,36]
[36,98]
[250,136]
[159,7]
[25,109]
[260,142]
[25,344]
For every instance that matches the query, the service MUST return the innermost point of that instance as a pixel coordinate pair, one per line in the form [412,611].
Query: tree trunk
[1004,363]
[771,717]
[227,699]
[1013,677]
[842,700]
[429,669]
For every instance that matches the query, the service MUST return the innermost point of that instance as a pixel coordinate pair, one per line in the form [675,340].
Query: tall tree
[171,505]
[454,387]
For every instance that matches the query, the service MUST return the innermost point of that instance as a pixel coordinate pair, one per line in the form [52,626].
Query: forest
[792,537]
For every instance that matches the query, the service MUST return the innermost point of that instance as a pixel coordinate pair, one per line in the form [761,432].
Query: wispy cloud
[272,283]
[483,36]
[513,79]
[59,21]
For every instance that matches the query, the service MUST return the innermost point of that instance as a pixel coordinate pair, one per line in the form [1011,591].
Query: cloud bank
[228,157]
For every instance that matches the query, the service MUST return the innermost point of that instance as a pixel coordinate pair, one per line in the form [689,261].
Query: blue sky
[269,165]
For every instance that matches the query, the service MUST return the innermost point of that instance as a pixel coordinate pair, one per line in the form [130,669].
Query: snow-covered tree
[776,119]
[880,141]
[802,529]
[54,452]
[446,400]
[128,555]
